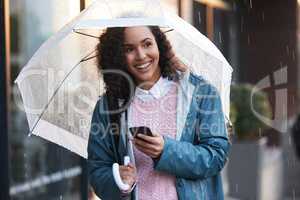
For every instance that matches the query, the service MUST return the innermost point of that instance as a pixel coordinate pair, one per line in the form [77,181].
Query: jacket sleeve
[206,158]
[101,157]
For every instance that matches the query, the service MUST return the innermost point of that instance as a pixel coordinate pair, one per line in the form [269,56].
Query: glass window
[39,169]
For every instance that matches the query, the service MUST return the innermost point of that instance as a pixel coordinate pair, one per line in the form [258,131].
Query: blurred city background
[259,38]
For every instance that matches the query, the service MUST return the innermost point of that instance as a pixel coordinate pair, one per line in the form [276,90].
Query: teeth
[142,66]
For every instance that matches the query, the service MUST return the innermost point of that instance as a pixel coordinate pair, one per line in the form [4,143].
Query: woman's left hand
[150,145]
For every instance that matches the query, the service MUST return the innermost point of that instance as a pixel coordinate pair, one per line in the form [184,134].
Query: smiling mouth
[143,66]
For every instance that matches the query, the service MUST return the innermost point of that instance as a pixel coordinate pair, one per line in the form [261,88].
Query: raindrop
[236,187]
[294,162]
[26,171]
[250,3]
[220,37]
[290,140]
[294,57]
[248,39]
[263,16]
[60,197]
[199,17]
[294,194]
[231,33]
[234,6]
[287,50]
[242,24]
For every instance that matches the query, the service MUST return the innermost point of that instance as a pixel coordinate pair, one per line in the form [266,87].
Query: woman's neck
[147,85]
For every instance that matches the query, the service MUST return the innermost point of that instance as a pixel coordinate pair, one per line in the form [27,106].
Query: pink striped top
[160,115]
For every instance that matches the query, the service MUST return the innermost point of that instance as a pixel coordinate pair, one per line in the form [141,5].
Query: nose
[140,54]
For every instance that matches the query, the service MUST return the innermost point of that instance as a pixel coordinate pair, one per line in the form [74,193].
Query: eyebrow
[144,40]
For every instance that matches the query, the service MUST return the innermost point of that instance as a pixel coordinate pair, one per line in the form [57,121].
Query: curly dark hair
[112,57]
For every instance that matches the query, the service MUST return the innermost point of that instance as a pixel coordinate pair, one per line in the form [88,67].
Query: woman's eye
[128,50]
[148,44]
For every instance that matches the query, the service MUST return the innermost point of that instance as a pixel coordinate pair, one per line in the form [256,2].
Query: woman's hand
[128,174]
[150,145]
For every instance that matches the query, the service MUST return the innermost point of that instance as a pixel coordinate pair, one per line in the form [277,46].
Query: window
[39,169]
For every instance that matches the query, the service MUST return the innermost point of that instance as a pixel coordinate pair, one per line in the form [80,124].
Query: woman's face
[142,55]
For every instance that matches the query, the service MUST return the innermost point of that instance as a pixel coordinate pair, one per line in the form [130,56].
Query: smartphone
[140,130]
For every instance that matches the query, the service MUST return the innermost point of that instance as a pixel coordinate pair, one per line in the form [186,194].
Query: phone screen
[141,130]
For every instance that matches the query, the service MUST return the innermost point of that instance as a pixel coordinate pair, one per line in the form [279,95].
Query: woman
[189,146]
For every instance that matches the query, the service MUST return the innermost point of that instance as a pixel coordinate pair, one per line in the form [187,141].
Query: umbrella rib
[169,30]
[89,58]
[85,34]
[56,90]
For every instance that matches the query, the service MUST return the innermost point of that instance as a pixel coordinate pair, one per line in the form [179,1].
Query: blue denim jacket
[195,157]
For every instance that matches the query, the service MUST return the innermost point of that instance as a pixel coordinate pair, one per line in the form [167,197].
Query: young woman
[189,146]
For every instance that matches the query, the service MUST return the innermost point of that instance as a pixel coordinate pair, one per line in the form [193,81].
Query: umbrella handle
[116,174]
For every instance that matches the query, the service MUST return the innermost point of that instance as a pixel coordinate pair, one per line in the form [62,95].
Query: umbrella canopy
[60,85]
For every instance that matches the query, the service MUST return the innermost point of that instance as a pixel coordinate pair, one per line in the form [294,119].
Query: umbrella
[60,84]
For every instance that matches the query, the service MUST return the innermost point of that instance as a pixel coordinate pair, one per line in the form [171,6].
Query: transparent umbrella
[60,84]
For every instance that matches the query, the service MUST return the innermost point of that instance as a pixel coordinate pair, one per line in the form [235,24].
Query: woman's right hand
[128,174]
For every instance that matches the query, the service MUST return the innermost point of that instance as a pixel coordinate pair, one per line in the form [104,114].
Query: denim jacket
[195,157]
